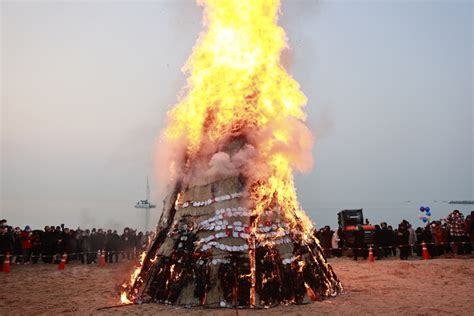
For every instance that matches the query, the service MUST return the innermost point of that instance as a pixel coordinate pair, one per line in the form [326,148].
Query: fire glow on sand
[232,232]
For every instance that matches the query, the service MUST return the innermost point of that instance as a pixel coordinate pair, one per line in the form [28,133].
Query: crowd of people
[453,235]
[49,244]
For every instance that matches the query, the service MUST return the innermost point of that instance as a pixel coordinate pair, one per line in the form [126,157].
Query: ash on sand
[442,286]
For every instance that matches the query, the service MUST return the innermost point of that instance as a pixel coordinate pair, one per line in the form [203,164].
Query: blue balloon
[428,213]
[425,219]
[422,209]
[427,208]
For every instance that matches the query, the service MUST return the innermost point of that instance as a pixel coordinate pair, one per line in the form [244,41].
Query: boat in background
[461,202]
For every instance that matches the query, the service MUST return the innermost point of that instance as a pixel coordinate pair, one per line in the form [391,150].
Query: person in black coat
[94,245]
[16,242]
[36,246]
[325,240]
[112,246]
[359,243]
[57,244]
[378,242]
[133,242]
[427,237]
[419,239]
[403,236]
[6,246]
[85,247]
[100,240]
[391,240]
[47,245]
[126,244]
[71,245]
[385,242]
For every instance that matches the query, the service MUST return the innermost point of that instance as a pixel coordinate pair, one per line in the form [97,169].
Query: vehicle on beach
[348,221]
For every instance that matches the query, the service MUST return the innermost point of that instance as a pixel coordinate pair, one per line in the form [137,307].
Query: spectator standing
[36,246]
[455,222]
[112,245]
[392,240]
[419,239]
[469,225]
[325,240]
[26,244]
[378,242]
[57,239]
[6,246]
[85,247]
[94,245]
[359,243]
[47,245]
[403,236]
[16,242]
[126,244]
[440,238]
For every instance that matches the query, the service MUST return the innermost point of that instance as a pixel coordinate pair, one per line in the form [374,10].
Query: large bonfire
[232,232]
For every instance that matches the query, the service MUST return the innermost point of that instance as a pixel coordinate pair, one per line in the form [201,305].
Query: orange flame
[237,87]
[124,299]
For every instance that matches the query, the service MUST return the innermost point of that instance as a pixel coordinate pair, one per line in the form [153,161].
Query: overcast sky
[86,85]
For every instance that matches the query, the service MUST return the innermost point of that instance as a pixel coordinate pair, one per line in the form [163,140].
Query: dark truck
[348,221]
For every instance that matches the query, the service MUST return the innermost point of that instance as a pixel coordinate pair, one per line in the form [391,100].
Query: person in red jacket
[26,244]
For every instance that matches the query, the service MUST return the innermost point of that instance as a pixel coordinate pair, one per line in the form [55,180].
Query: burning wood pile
[232,233]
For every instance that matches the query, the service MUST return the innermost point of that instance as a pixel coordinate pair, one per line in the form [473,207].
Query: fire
[124,299]
[123,295]
[238,126]
[237,87]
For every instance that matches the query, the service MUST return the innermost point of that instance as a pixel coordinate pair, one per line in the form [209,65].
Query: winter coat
[16,242]
[403,237]
[359,238]
[439,235]
[456,224]
[326,236]
[47,243]
[5,244]
[378,237]
[85,244]
[97,241]
[26,240]
[113,242]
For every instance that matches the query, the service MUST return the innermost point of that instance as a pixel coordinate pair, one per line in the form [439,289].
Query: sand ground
[414,287]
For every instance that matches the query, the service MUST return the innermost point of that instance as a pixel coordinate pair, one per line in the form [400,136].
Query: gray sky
[86,85]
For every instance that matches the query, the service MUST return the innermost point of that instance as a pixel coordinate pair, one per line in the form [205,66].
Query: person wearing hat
[26,244]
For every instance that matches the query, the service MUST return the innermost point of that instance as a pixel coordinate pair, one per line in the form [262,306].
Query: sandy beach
[414,287]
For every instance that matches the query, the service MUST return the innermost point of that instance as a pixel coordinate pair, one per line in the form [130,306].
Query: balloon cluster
[425,214]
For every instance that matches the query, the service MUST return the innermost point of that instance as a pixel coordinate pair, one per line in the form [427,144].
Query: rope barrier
[325,249]
[399,246]
[73,254]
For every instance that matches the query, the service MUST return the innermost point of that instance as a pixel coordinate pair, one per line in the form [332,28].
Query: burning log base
[210,250]
[232,233]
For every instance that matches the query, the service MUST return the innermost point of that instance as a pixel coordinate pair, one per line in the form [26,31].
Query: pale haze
[86,86]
